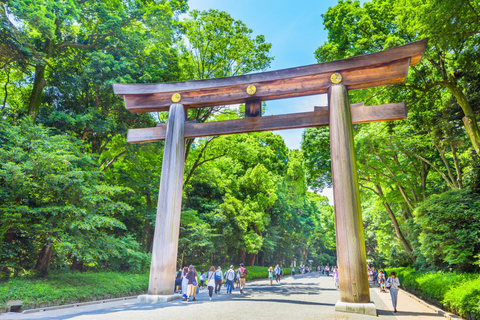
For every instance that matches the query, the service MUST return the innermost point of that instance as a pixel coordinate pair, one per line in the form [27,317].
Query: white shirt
[393,283]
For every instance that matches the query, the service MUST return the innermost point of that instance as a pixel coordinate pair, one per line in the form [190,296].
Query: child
[381,281]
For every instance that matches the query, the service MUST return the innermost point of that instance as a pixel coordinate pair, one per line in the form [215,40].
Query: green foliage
[262,272]
[457,292]
[54,197]
[64,288]
[220,46]
[450,229]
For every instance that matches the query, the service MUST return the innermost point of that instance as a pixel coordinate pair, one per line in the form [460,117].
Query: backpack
[218,277]
[241,272]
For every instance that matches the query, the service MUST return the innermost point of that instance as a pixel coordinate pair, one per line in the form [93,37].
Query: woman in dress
[184,284]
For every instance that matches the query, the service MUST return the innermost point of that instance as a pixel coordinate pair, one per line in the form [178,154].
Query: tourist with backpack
[270,275]
[192,283]
[211,281]
[242,274]
[229,277]
[218,280]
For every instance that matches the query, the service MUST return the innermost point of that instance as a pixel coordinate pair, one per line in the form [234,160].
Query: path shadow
[288,301]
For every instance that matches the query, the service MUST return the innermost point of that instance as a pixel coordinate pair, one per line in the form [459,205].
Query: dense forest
[75,196]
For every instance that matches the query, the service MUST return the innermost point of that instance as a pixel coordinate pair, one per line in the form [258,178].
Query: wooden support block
[351,254]
[387,112]
[253,108]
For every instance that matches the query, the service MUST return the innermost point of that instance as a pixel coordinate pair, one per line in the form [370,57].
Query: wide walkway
[303,297]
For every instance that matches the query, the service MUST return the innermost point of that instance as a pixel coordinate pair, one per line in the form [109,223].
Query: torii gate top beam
[377,69]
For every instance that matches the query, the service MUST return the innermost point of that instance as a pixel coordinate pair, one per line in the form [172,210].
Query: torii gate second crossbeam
[335,78]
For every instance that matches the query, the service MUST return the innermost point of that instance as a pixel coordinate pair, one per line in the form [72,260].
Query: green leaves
[218,46]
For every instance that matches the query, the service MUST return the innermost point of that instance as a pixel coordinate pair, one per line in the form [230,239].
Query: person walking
[211,281]
[277,273]
[192,283]
[393,283]
[335,277]
[242,274]
[218,280]
[229,277]
[327,271]
[202,279]
[178,281]
[270,275]
[184,284]
[293,271]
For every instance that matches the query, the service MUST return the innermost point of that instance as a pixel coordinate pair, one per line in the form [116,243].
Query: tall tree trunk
[241,255]
[77,265]
[36,94]
[469,120]
[43,261]
[457,166]
[398,231]
[251,259]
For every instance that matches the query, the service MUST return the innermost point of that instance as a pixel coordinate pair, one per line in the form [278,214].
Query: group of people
[191,282]
[277,273]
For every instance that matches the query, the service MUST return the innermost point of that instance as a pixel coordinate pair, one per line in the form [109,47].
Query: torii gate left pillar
[167,223]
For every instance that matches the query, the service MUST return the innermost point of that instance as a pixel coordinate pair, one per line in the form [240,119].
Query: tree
[54,202]
[216,46]
[451,55]
[451,229]
[41,35]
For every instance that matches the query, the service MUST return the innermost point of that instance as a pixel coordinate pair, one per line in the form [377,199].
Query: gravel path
[302,297]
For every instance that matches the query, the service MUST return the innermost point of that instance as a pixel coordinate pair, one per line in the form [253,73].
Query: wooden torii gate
[335,78]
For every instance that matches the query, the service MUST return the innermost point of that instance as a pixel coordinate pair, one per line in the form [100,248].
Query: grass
[457,292]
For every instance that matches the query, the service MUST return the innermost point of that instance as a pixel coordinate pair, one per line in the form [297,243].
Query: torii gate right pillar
[351,254]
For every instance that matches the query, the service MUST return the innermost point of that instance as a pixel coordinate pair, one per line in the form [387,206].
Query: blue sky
[295,30]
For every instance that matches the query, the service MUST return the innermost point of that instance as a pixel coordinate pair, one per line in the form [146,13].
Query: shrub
[457,292]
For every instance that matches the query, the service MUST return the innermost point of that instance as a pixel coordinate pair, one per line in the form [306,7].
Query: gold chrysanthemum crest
[251,89]
[336,78]
[176,97]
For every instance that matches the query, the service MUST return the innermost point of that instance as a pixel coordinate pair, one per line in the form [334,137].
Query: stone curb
[446,314]
[73,305]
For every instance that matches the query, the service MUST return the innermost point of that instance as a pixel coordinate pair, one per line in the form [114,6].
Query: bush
[73,286]
[262,272]
[457,292]
[450,229]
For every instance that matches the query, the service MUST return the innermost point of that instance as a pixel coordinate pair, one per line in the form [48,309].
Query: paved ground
[303,297]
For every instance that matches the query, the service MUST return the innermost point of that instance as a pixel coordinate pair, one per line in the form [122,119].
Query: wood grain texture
[351,254]
[360,114]
[413,50]
[253,108]
[167,223]
[355,77]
